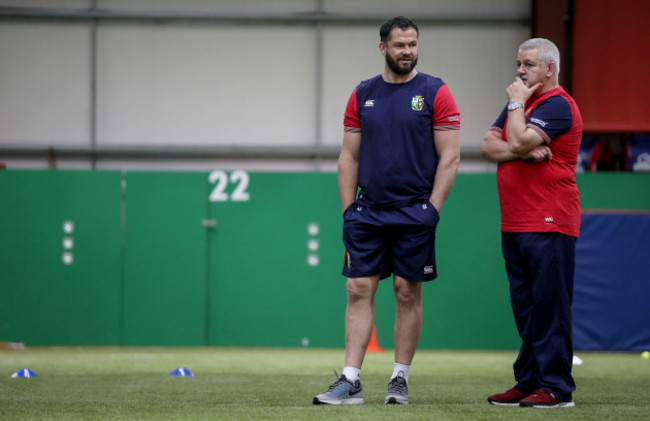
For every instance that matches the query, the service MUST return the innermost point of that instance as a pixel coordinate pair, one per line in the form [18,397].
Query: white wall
[476,63]
[204,83]
[200,85]
[44,83]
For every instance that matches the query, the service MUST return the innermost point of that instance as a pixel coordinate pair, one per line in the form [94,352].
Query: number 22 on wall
[221,180]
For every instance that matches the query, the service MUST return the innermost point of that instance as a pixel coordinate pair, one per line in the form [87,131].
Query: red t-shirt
[543,197]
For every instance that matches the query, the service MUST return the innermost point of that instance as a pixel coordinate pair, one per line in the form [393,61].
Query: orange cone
[373,345]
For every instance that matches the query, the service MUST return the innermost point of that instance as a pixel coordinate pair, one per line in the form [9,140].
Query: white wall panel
[170,83]
[206,85]
[214,6]
[477,63]
[350,55]
[413,8]
[54,4]
[44,84]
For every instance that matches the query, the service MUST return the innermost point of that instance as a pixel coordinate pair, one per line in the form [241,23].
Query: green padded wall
[469,304]
[165,259]
[43,300]
[263,289]
[234,258]
[622,191]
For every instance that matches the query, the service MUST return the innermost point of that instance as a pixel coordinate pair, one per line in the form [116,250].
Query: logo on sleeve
[417,103]
[538,121]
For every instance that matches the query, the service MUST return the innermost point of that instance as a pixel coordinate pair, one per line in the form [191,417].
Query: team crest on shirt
[417,103]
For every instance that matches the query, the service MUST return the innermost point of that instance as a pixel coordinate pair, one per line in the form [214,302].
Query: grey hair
[548,52]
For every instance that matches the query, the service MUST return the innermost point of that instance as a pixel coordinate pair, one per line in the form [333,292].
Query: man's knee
[408,294]
[360,288]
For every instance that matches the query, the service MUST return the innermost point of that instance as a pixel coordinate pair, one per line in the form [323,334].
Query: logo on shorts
[428,270]
[548,219]
[417,103]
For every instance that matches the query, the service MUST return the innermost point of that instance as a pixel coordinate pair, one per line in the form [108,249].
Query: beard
[394,66]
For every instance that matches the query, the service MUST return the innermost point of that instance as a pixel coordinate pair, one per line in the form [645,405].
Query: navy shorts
[384,241]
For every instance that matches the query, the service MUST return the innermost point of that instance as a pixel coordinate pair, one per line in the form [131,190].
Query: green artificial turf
[278,384]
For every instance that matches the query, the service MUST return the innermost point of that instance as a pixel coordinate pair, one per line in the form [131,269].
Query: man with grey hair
[535,142]
[548,52]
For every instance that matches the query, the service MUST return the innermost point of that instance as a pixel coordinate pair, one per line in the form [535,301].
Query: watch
[513,105]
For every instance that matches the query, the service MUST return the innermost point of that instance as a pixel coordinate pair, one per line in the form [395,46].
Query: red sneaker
[510,397]
[544,399]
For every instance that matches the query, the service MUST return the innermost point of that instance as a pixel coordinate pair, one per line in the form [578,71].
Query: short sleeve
[500,122]
[551,118]
[351,121]
[445,112]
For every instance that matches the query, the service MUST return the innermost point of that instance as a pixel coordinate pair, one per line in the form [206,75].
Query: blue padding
[611,307]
